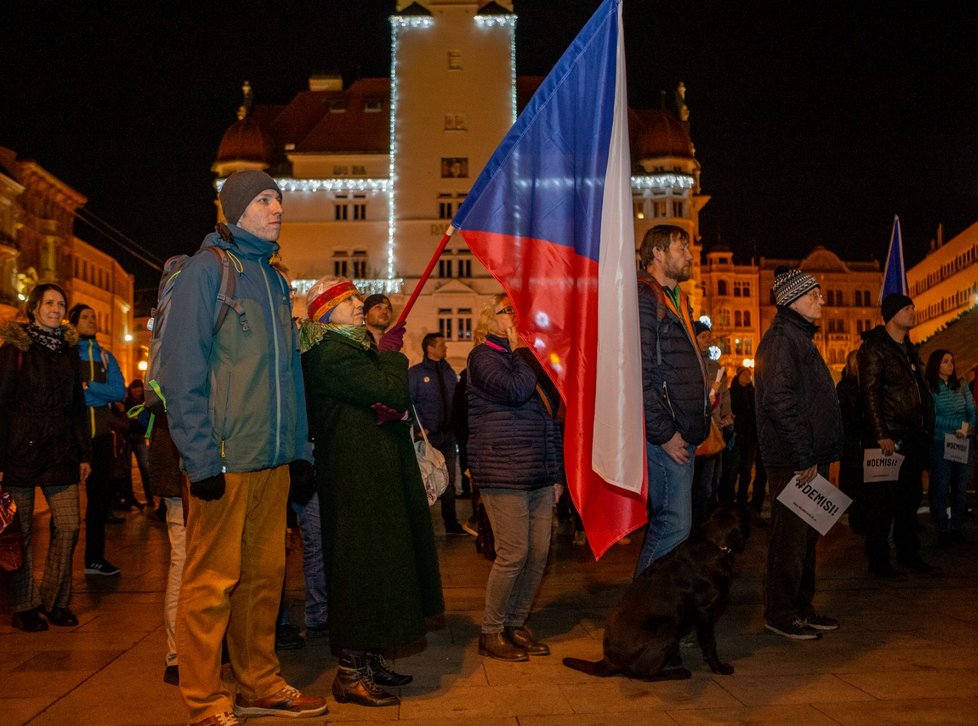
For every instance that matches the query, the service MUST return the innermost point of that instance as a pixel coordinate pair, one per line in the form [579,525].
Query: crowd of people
[268,418]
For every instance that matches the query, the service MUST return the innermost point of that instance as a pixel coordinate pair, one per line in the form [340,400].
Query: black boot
[498,646]
[523,639]
[355,684]
[384,676]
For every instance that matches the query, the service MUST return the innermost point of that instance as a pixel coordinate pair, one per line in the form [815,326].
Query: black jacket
[799,423]
[44,432]
[514,441]
[742,405]
[895,394]
[674,385]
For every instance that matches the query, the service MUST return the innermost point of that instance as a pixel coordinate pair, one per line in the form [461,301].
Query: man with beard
[377,315]
[675,389]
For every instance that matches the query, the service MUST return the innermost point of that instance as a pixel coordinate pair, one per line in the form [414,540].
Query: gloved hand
[208,489]
[302,484]
[393,339]
[386,414]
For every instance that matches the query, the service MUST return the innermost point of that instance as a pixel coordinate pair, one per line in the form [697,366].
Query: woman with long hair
[44,442]
[382,573]
[955,415]
[516,459]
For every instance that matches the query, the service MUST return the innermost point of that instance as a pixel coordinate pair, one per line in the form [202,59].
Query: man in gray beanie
[237,415]
[899,417]
[799,430]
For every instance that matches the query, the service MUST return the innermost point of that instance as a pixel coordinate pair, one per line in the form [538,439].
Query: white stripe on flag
[618,450]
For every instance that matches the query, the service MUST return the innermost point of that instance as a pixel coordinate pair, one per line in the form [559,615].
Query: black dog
[685,589]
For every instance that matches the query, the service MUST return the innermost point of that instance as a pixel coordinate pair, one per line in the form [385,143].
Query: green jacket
[378,543]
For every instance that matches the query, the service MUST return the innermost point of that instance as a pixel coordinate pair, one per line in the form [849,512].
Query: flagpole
[425,275]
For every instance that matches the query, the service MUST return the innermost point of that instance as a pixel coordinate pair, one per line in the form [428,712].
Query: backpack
[155,400]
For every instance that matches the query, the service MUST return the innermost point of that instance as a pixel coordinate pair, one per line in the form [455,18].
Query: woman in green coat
[378,542]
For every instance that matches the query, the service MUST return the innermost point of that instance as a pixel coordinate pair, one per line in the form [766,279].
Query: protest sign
[877,467]
[818,502]
[956,449]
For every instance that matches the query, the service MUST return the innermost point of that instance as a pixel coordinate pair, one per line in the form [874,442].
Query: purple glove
[393,339]
[386,414]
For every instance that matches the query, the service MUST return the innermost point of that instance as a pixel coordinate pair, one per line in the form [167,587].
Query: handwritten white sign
[818,502]
[956,449]
[877,467]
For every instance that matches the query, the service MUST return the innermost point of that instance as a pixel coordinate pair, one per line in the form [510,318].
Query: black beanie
[700,327]
[241,188]
[76,311]
[892,304]
[376,299]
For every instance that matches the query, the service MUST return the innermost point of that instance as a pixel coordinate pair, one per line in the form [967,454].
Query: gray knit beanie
[790,284]
[241,188]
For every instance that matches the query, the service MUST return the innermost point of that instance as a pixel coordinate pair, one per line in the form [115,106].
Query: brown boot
[355,684]
[523,639]
[498,646]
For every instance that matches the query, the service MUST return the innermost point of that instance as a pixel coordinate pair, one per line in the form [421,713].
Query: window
[722,288]
[341,170]
[340,268]
[741,288]
[444,268]
[747,318]
[359,263]
[638,208]
[723,317]
[464,267]
[678,209]
[337,106]
[373,105]
[737,319]
[658,208]
[445,321]
[360,211]
[446,208]
[340,212]
[454,167]
[454,60]
[465,323]
[456,122]
[359,170]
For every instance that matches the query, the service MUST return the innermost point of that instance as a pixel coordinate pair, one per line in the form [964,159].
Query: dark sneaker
[453,528]
[317,632]
[821,622]
[288,702]
[101,567]
[30,621]
[171,675]
[220,719]
[797,630]
[287,637]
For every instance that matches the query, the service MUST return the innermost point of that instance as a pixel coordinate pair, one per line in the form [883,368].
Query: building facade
[38,244]
[737,299]
[373,172]
[944,285]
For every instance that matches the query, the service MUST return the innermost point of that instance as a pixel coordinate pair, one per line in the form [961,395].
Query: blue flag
[895,272]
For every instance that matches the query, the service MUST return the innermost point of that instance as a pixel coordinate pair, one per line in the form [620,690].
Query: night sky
[812,126]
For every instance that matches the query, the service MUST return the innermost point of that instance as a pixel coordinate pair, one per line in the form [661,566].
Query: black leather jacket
[894,391]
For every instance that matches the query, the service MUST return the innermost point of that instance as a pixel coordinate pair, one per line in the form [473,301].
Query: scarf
[52,340]
[312,333]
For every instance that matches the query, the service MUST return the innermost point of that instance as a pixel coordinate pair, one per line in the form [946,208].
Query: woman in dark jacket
[43,443]
[378,543]
[851,465]
[515,456]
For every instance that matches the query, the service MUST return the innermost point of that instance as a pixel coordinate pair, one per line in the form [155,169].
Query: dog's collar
[725,550]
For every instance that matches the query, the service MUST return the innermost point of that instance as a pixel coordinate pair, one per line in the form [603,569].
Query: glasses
[506,311]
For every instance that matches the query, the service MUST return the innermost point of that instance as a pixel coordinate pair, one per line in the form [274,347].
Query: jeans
[55,587]
[232,586]
[177,532]
[521,522]
[313,567]
[948,477]
[789,582]
[670,505]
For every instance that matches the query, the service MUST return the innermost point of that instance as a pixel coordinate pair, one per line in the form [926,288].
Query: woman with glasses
[515,458]
[381,565]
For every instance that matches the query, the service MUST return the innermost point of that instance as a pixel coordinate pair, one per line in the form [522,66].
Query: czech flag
[550,217]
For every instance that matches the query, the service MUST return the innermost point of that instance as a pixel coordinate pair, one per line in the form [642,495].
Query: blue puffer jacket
[514,442]
[235,401]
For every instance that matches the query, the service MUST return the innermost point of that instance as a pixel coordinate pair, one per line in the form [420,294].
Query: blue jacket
[100,372]
[514,441]
[235,400]
[423,382]
[952,408]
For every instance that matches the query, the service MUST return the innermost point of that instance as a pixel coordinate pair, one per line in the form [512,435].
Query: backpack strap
[231,267]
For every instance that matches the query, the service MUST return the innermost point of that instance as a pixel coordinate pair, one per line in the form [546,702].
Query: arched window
[747,318]
[722,287]
[737,319]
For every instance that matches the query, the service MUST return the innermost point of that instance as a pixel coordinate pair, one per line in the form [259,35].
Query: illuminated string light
[489,21]
[661,181]
[411,21]
[289,184]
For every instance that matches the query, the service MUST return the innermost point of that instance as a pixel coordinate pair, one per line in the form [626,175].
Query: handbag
[11,539]
[431,462]
[713,443]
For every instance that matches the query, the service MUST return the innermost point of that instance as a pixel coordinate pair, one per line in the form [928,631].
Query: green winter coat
[378,543]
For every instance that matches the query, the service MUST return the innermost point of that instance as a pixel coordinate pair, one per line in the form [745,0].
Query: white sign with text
[956,449]
[819,502]
[877,467]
